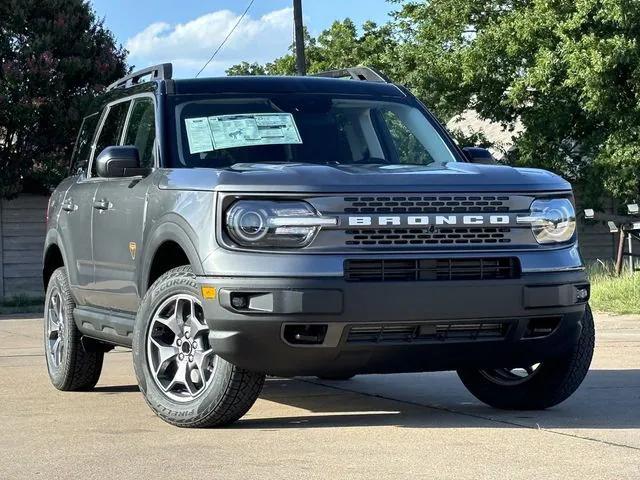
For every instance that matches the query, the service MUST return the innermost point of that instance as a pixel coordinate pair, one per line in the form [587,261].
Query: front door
[74,225]
[118,218]
[74,221]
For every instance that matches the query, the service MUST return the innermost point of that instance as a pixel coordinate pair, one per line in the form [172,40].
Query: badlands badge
[132,249]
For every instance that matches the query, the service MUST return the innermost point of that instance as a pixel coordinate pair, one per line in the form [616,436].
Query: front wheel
[182,379]
[539,386]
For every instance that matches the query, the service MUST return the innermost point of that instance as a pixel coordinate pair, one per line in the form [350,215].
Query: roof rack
[157,72]
[366,74]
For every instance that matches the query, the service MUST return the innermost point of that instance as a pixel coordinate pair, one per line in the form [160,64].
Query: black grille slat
[427,204]
[428,332]
[441,269]
[442,236]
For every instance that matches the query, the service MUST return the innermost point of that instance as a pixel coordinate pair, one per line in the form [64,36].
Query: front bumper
[430,326]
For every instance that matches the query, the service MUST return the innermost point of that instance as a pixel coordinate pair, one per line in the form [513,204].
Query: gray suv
[226,229]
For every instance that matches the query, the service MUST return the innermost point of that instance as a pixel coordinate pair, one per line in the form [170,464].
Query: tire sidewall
[58,284]
[177,281]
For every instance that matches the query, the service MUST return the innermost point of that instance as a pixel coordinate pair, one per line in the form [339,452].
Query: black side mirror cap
[479,155]
[114,162]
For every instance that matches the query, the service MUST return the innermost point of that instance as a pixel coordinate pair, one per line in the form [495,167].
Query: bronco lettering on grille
[422,220]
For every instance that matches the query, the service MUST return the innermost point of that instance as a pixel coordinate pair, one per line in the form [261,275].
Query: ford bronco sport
[231,228]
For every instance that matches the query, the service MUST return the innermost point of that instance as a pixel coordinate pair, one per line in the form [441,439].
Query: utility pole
[301,64]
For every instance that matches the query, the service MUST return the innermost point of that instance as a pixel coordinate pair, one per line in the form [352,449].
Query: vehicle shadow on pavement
[607,399]
[116,388]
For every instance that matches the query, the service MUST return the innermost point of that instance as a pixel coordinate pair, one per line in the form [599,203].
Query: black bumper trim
[255,340]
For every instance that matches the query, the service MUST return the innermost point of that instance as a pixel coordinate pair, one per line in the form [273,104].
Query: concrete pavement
[398,426]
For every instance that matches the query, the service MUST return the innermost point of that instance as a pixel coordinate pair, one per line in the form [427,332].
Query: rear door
[118,217]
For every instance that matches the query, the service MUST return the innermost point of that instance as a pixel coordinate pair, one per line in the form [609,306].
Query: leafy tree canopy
[568,69]
[54,57]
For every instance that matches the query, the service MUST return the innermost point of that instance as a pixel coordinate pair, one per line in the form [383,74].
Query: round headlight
[246,224]
[553,221]
[277,224]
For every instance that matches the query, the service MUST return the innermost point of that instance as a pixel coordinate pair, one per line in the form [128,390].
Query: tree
[55,56]
[339,46]
[568,69]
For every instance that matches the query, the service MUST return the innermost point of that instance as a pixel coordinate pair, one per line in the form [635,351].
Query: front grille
[432,269]
[429,236]
[427,332]
[426,203]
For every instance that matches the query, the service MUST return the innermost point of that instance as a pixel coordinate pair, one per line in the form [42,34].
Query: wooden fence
[22,229]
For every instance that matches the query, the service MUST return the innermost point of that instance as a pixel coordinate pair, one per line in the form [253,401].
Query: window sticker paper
[199,135]
[246,130]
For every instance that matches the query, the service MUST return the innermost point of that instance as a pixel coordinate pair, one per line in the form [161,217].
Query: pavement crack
[476,416]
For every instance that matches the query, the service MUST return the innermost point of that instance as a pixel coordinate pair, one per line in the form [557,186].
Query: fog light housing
[582,294]
[239,301]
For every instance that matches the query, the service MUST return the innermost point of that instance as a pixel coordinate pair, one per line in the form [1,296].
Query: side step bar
[108,326]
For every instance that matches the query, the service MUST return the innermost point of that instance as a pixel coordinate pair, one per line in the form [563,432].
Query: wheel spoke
[200,359]
[195,327]
[171,323]
[165,353]
[60,312]
[53,326]
[56,351]
[179,378]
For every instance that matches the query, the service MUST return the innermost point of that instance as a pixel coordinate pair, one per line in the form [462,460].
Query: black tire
[232,391]
[552,382]
[79,363]
[337,377]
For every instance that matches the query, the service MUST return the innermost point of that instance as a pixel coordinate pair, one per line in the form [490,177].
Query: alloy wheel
[179,355]
[55,329]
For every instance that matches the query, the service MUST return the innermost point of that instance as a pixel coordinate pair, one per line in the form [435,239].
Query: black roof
[276,84]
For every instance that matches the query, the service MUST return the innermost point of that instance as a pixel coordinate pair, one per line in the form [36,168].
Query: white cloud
[189,45]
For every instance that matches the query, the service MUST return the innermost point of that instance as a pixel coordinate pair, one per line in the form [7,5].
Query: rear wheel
[538,386]
[72,363]
[182,379]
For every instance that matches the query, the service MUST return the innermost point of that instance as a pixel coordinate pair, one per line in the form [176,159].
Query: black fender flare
[167,230]
[52,239]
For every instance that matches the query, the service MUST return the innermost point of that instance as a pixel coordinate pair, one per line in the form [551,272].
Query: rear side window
[141,130]
[111,131]
[82,149]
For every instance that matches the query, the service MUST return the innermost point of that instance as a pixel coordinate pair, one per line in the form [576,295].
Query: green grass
[609,293]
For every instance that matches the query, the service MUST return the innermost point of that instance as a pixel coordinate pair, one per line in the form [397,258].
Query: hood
[297,177]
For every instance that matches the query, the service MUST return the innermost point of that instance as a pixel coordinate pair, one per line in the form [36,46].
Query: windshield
[305,128]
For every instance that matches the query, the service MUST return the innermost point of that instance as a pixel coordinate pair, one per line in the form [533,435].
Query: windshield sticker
[199,135]
[245,130]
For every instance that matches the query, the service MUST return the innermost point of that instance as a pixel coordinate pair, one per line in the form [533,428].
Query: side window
[141,130]
[82,149]
[111,131]
[408,147]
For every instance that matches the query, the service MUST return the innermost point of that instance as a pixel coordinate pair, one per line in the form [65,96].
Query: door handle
[102,204]
[69,206]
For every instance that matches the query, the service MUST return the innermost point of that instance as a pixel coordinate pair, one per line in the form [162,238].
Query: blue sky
[186,32]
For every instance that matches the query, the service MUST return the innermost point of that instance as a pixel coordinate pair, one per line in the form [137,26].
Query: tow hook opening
[309,334]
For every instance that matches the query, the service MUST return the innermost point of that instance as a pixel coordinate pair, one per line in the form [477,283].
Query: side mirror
[479,155]
[119,162]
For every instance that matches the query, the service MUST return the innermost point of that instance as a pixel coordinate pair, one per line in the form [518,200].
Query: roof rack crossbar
[356,73]
[156,72]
